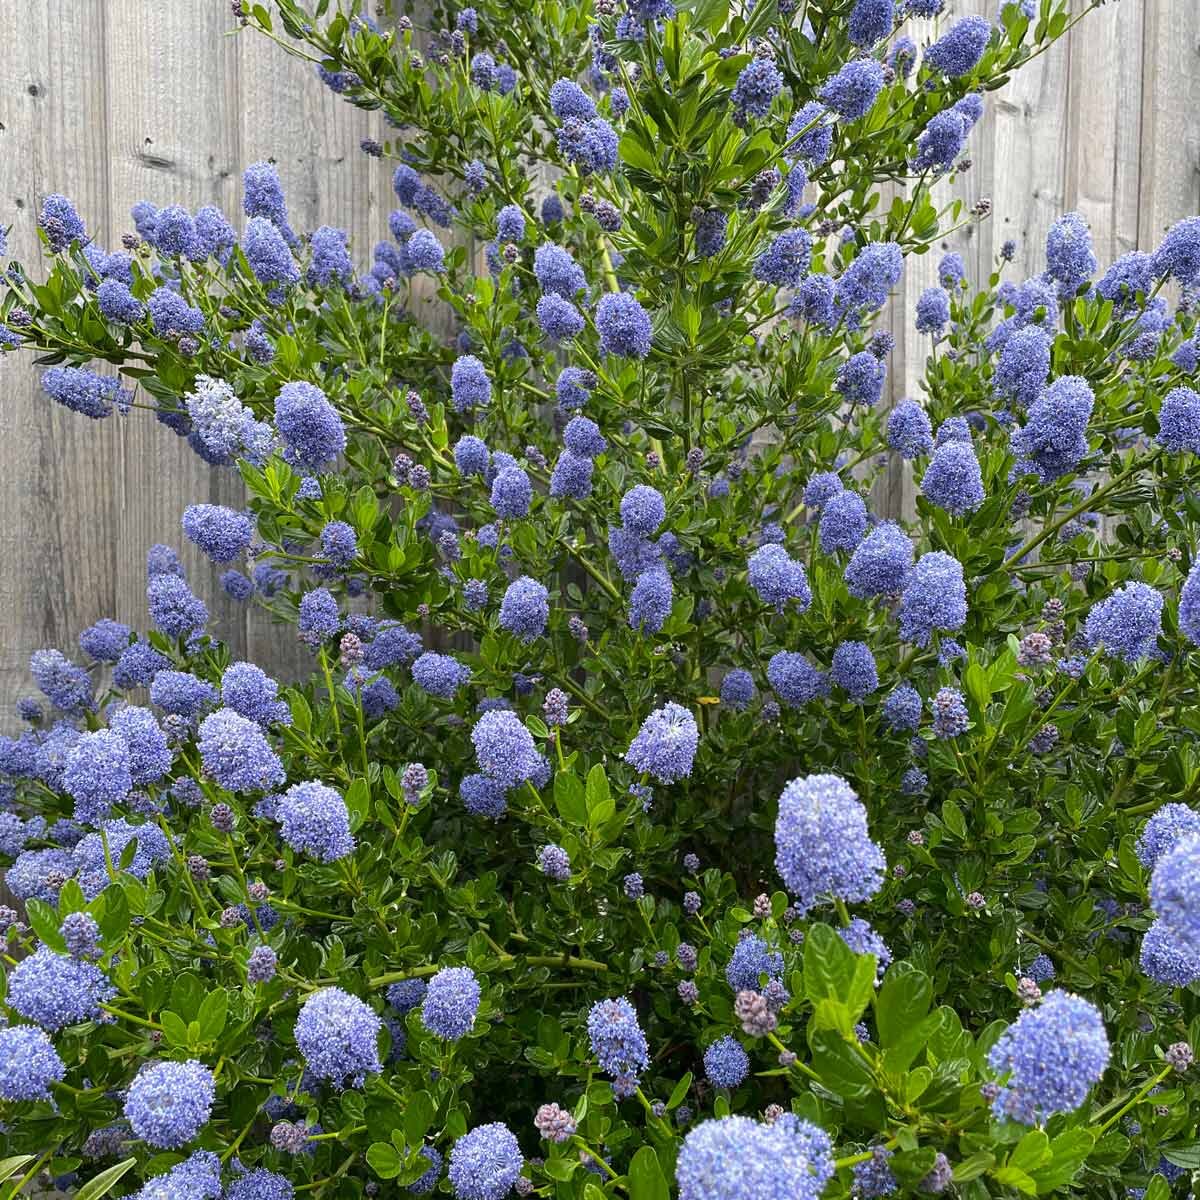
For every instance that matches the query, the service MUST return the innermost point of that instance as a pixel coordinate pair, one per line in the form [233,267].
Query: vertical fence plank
[59,536]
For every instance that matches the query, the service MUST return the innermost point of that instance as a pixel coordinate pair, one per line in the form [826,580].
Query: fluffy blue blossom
[339,543]
[263,194]
[451,1003]
[950,716]
[711,227]
[934,597]
[1023,366]
[28,1063]
[568,99]
[1069,257]
[268,253]
[852,91]
[933,310]
[623,325]
[959,49]
[198,1176]
[752,958]
[591,145]
[149,755]
[61,224]
[823,848]
[737,688]
[778,578]
[902,709]
[471,455]
[512,493]
[314,820]
[170,1102]
[843,522]
[870,21]
[336,1035]
[1132,274]
[1175,892]
[643,510]
[1127,623]
[651,600]
[1179,421]
[504,748]
[38,874]
[757,86]
[152,849]
[726,1063]
[406,995]
[1054,439]
[865,284]
[440,675]
[554,863]
[174,608]
[953,480]
[318,616]
[938,147]
[853,670]
[736,1158]
[85,392]
[172,315]
[235,753]
[874,1177]
[1178,254]
[582,436]
[1052,1056]
[97,775]
[226,427]
[617,1040]
[909,431]
[1163,830]
[860,379]
[666,744]
[510,224]
[794,679]
[309,427]
[105,640]
[485,1163]
[862,939]
[557,272]
[786,260]
[425,253]
[483,796]
[470,386]
[1165,960]
[222,533]
[572,476]
[118,303]
[559,319]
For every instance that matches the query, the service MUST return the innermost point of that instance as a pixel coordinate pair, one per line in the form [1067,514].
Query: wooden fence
[113,101]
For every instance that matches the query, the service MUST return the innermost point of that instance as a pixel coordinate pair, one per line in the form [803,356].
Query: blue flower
[794,679]
[235,753]
[726,1063]
[624,326]
[1052,1056]
[852,91]
[1127,623]
[471,455]
[559,319]
[1054,439]
[843,522]
[860,379]
[617,1039]
[870,21]
[651,601]
[314,820]
[1178,254]
[953,480]
[752,958]
[853,670]
[268,253]
[785,262]
[263,194]
[643,510]
[504,748]
[149,756]
[85,392]
[451,1002]
[28,1063]
[309,427]
[778,578]
[485,1163]
[757,86]
[97,775]
[865,284]
[61,224]
[483,796]
[425,253]
[959,49]
[1165,960]
[512,492]
[572,476]
[170,1102]
[1069,257]
[220,532]
[880,562]
[1179,421]
[336,1034]
[1163,830]
[665,746]
[318,617]
[736,1158]
[950,716]
[933,310]
[737,688]
[823,849]
[1023,366]
[440,675]
[525,609]
[934,597]
[1175,892]
[862,939]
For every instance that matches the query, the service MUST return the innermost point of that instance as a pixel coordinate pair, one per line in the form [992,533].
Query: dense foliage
[659,819]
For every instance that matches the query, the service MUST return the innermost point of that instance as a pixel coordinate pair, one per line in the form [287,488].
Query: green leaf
[1068,1152]
[187,994]
[44,921]
[175,1028]
[1185,1154]
[10,1166]
[384,1160]
[600,804]
[829,965]
[418,1116]
[902,1002]
[569,798]
[646,1179]
[102,1184]
[680,1092]
[212,1014]
[1031,1152]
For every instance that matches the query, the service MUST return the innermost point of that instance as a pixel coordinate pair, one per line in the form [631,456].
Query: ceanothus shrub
[662,816]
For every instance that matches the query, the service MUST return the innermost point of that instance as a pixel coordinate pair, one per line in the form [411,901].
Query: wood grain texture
[112,101]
